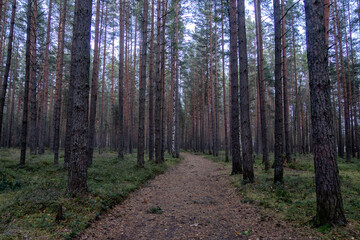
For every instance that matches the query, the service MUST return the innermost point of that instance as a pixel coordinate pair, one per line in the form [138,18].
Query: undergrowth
[295,200]
[30,196]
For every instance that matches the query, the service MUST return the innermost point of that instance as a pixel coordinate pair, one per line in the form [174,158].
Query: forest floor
[193,200]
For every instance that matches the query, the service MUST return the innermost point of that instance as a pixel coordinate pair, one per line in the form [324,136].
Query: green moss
[30,196]
[295,200]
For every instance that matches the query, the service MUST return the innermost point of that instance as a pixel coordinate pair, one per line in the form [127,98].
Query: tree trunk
[344,86]
[285,88]
[8,63]
[224,85]
[142,89]
[328,196]
[102,143]
[94,85]
[246,139]
[42,136]
[278,164]
[260,61]
[158,135]
[27,81]
[33,81]
[79,81]
[59,79]
[235,141]
[176,124]
[121,83]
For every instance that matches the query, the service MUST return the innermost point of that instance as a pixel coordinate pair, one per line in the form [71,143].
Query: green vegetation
[155,210]
[31,196]
[295,200]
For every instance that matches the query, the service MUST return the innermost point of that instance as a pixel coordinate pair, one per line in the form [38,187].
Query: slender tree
[8,63]
[44,112]
[285,86]
[121,83]
[246,139]
[33,79]
[94,83]
[151,86]
[260,71]
[278,164]
[24,125]
[59,79]
[235,138]
[141,132]
[223,85]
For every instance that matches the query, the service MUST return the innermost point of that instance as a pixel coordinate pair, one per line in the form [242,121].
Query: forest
[179,119]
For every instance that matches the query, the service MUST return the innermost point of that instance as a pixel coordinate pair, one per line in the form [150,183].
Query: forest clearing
[179,119]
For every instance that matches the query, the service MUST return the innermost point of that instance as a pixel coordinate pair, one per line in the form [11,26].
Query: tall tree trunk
[59,79]
[121,83]
[216,98]
[158,135]
[11,120]
[102,143]
[44,112]
[278,164]
[176,124]
[33,81]
[246,139]
[79,82]
[133,92]
[26,88]
[285,87]
[151,87]
[260,61]
[112,114]
[94,85]
[8,63]
[235,141]
[344,86]
[224,85]
[163,107]
[340,133]
[328,196]
[142,89]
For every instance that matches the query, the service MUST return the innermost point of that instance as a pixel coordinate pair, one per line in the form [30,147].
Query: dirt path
[197,202]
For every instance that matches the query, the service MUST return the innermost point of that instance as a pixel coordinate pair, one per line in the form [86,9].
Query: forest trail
[197,202]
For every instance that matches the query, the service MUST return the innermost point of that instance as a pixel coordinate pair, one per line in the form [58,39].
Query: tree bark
[79,82]
[26,88]
[59,79]
[121,83]
[94,85]
[142,89]
[328,195]
[246,139]
[102,143]
[285,87]
[344,86]
[224,85]
[278,164]
[235,141]
[8,64]
[44,112]
[260,62]
[33,81]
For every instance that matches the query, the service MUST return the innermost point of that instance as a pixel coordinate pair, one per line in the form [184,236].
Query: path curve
[197,202]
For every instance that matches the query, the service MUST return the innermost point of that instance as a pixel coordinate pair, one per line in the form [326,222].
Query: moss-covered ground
[30,196]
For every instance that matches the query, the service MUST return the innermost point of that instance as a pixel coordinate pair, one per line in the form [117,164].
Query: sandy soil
[197,202]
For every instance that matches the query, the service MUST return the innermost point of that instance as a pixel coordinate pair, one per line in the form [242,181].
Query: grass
[295,200]
[30,196]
